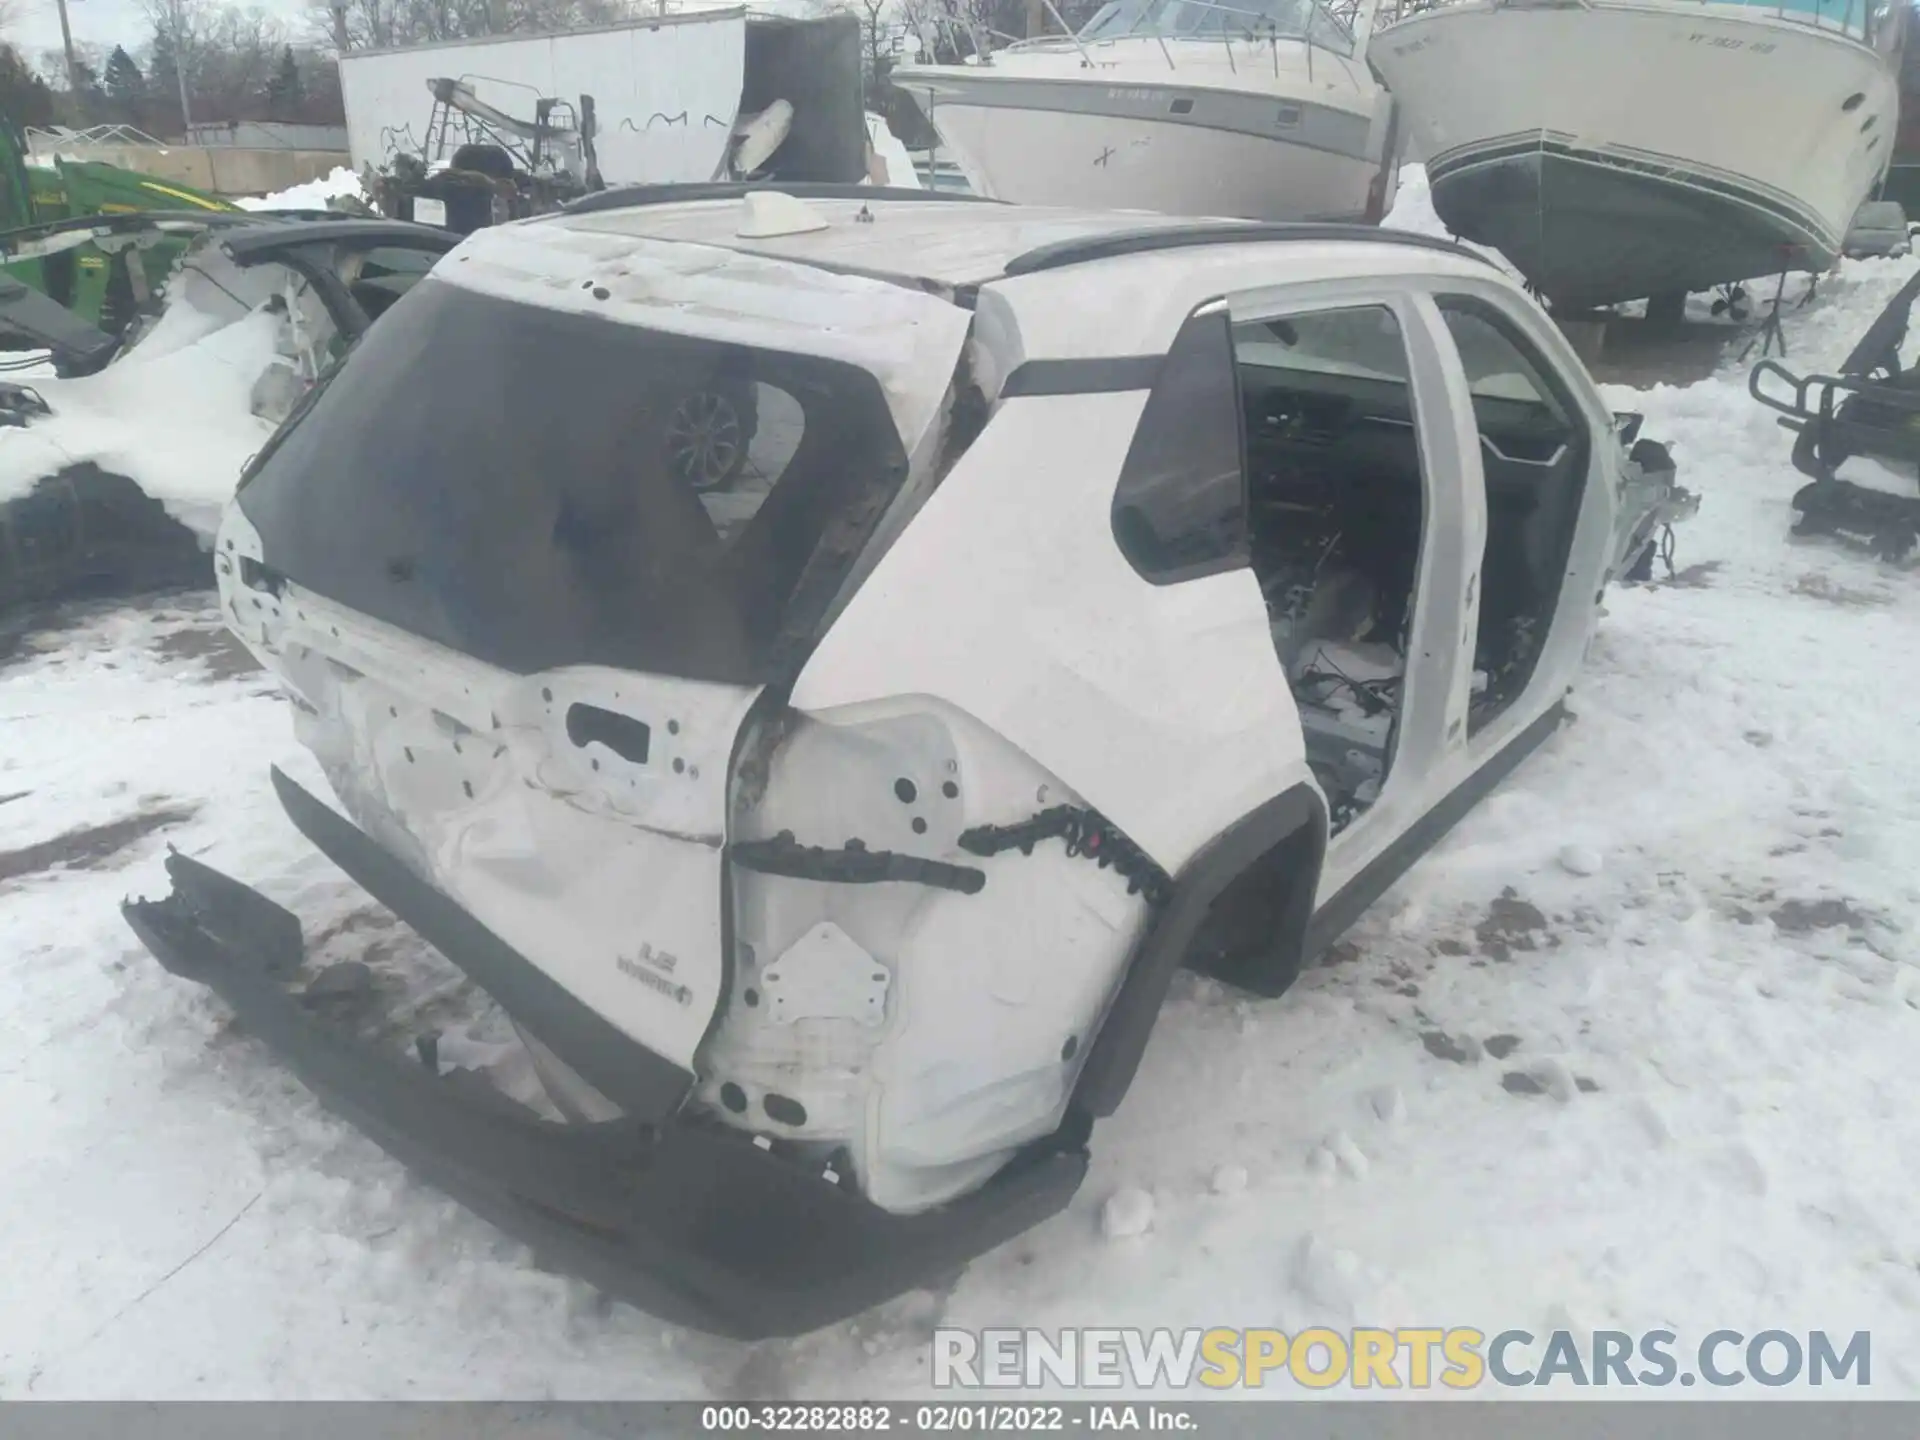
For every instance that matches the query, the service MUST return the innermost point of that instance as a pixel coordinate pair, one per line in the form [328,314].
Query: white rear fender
[1037,625]
[927,1029]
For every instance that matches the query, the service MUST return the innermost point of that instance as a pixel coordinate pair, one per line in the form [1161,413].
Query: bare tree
[240,50]
[183,22]
[379,24]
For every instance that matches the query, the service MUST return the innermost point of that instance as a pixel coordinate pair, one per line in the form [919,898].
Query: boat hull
[1622,151]
[1184,149]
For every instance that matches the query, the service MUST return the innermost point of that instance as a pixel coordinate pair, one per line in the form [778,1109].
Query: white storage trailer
[667,91]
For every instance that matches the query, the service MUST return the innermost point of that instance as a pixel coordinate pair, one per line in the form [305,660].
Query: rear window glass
[537,489]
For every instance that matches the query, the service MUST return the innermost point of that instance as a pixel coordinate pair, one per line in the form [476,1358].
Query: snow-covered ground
[1626,1052]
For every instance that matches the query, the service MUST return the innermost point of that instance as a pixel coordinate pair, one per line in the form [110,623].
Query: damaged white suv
[1100,594]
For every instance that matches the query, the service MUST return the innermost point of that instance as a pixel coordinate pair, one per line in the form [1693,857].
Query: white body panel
[991,1000]
[467,773]
[1177,170]
[1000,659]
[1098,676]
[1722,94]
[1272,132]
[666,92]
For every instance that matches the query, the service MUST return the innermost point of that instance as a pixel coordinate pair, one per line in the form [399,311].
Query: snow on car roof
[872,282]
[948,242]
[939,242]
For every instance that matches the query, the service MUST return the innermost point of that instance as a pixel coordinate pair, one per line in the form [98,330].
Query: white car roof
[880,292]
[938,242]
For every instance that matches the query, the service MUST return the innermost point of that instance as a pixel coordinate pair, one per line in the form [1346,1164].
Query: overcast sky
[34,25]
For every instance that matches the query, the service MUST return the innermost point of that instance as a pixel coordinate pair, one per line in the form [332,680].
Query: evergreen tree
[163,71]
[89,101]
[125,86]
[25,98]
[286,91]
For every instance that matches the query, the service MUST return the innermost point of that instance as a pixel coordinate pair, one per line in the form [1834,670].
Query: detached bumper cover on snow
[689,1220]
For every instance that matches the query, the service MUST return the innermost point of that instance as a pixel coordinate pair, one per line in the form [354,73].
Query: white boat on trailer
[1257,110]
[1620,150]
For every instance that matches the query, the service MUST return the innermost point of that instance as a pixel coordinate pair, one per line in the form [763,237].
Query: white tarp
[666,91]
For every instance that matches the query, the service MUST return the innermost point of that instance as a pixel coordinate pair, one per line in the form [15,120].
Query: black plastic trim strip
[647,1086]
[79,347]
[1122,1040]
[1093,375]
[258,242]
[1352,899]
[1088,248]
[635,197]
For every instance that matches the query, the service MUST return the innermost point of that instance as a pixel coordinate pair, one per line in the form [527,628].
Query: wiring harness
[1088,835]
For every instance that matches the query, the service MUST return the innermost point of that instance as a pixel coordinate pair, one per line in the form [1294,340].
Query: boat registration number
[1727,42]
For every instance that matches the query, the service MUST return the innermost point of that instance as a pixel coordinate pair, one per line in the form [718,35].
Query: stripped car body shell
[861,903]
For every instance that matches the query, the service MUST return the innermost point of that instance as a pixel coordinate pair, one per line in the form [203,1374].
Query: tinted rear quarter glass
[1179,509]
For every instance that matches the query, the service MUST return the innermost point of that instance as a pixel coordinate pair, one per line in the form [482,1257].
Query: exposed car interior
[378,277]
[1335,521]
[1334,528]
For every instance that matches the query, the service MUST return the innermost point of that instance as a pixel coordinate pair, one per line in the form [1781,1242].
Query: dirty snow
[1627,1051]
[342,183]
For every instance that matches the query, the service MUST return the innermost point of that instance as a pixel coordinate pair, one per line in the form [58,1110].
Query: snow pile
[1412,209]
[343,183]
[176,420]
[886,145]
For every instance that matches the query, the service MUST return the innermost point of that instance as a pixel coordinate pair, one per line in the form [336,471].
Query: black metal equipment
[1871,409]
[502,169]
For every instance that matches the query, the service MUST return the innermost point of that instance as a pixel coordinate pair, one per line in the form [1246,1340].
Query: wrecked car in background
[1866,420]
[831,839]
[260,302]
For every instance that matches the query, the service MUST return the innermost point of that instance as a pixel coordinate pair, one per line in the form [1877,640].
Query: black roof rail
[1179,237]
[369,231]
[634,196]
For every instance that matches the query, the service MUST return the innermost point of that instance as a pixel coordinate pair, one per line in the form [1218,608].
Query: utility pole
[340,40]
[180,74]
[66,41]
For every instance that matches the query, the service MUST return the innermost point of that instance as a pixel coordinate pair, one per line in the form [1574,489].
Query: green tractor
[104,286]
